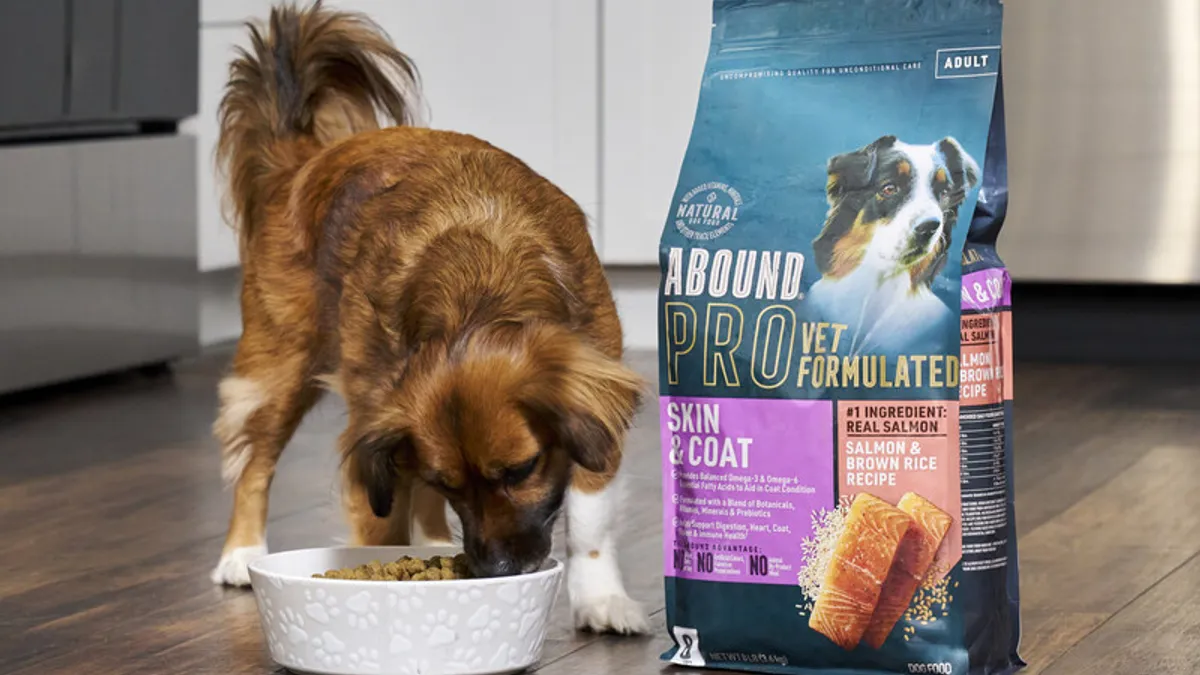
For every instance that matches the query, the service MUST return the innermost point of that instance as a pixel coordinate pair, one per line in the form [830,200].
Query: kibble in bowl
[406,568]
[380,610]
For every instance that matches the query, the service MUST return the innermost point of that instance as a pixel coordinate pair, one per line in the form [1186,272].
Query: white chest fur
[883,314]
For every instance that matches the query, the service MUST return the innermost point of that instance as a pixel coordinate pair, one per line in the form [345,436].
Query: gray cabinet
[93,59]
[96,63]
[33,60]
[98,246]
[158,68]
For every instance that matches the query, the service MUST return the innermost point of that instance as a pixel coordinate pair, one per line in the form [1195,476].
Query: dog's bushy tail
[310,77]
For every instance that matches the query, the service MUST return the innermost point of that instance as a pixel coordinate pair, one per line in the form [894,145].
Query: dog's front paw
[617,613]
[233,569]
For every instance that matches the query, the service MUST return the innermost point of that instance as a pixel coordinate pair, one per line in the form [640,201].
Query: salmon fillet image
[917,552]
[861,561]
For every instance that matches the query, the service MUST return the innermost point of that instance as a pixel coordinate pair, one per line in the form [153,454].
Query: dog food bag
[835,359]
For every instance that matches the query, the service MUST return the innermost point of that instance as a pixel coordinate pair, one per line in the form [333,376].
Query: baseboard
[1106,323]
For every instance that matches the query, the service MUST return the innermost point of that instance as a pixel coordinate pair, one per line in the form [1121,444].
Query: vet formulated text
[773,346]
[835,363]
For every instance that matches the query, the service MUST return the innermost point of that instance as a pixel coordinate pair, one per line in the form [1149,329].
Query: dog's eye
[889,190]
[515,475]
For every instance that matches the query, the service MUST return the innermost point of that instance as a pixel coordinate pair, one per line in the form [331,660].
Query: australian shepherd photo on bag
[892,211]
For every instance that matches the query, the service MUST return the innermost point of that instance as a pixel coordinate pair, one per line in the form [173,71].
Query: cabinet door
[654,54]
[93,59]
[37,211]
[156,58]
[134,198]
[33,66]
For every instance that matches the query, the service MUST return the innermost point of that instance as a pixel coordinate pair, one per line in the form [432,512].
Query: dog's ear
[584,404]
[374,461]
[854,170]
[847,172]
[961,165]
[851,171]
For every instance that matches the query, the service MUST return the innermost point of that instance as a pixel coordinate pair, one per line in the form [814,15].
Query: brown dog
[450,294]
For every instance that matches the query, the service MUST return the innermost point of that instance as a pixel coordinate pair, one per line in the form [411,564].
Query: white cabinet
[520,74]
[131,198]
[654,54]
[38,220]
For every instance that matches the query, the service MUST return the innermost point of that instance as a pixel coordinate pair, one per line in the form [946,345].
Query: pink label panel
[986,289]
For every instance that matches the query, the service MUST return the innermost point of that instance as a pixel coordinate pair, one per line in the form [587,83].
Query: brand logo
[707,211]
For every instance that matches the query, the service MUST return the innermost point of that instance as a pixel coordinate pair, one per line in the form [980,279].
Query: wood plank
[150,608]
[1158,633]
[156,612]
[1049,393]
[1067,459]
[115,515]
[1086,564]
[1078,426]
[1047,635]
[617,655]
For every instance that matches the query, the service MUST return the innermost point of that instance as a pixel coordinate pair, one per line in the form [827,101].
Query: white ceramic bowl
[455,627]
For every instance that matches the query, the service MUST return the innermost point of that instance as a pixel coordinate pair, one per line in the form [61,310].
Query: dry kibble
[412,565]
[407,568]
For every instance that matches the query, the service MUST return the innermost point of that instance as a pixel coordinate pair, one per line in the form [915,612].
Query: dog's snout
[928,228]
[492,561]
[495,567]
[515,553]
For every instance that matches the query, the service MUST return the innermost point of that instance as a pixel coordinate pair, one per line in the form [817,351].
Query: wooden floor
[112,513]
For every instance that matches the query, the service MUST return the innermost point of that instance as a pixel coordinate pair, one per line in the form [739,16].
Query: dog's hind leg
[597,593]
[261,404]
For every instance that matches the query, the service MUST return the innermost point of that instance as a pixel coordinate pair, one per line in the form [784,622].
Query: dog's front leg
[598,598]
[429,524]
[367,529]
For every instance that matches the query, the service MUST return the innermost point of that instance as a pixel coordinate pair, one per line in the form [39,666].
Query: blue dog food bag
[835,346]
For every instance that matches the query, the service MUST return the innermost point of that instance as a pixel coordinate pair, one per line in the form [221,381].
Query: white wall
[653,59]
